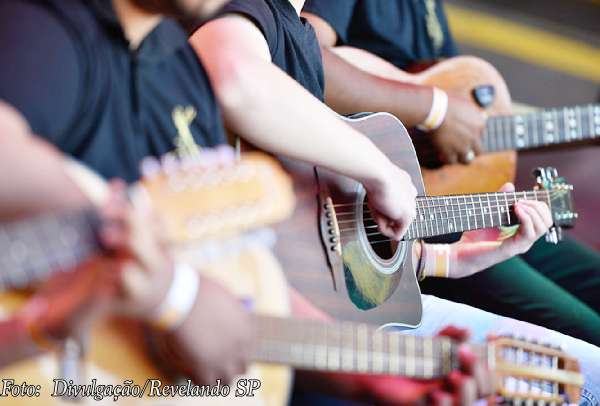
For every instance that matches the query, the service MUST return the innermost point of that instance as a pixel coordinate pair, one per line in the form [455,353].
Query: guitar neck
[31,249]
[352,347]
[442,215]
[541,129]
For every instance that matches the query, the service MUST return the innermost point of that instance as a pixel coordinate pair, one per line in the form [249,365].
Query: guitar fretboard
[351,347]
[539,129]
[31,249]
[442,215]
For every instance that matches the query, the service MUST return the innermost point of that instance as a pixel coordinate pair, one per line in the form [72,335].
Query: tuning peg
[226,154]
[169,163]
[150,167]
[552,236]
[539,173]
[552,172]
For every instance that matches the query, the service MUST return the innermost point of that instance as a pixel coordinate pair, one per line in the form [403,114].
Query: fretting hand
[481,249]
[392,202]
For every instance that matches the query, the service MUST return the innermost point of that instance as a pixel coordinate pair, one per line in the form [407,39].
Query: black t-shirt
[403,32]
[67,66]
[292,41]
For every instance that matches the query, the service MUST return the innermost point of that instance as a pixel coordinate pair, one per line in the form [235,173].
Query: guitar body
[347,278]
[488,172]
[116,353]
[117,348]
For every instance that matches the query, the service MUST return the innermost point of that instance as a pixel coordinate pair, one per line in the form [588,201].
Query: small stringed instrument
[196,204]
[504,134]
[200,207]
[356,274]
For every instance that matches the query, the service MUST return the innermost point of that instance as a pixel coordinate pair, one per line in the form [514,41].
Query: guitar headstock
[528,373]
[561,201]
[208,198]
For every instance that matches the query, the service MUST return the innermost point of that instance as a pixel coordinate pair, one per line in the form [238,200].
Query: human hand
[458,139]
[393,202]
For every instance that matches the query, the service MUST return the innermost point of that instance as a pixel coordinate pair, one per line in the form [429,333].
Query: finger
[526,229]
[458,334]
[507,187]
[450,158]
[468,392]
[538,222]
[467,359]
[477,148]
[543,210]
[440,398]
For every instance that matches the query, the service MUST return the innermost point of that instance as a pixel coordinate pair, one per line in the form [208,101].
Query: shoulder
[338,14]
[43,62]
[262,13]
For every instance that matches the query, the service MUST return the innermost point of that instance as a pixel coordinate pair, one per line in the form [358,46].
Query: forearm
[267,108]
[351,89]
[30,168]
[15,342]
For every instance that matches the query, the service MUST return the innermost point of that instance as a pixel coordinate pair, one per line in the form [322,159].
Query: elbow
[238,84]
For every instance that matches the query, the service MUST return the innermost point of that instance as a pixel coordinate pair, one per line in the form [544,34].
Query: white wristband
[437,114]
[180,299]
[437,260]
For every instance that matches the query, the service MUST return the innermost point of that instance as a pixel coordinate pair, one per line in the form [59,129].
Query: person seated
[264,64]
[132,277]
[381,38]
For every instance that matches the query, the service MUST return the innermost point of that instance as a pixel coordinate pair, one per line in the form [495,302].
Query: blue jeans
[439,313]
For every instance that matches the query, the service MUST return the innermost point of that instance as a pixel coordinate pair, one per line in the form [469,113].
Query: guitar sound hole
[380,244]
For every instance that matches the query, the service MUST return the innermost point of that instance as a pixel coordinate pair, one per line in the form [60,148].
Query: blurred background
[549,54]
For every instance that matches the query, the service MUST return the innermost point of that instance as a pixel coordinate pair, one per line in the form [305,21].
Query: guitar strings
[434,223]
[508,199]
[467,198]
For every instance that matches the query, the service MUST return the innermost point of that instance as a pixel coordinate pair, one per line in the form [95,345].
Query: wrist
[437,111]
[382,177]
[179,299]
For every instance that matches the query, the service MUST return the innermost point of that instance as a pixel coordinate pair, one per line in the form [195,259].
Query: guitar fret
[377,364]
[500,209]
[520,132]
[394,351]
[427,358]
[347,347]
[362,349]
[409,352]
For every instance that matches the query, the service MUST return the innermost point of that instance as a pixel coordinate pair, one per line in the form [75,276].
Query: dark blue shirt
[67,66]
[402,32]
[292,41]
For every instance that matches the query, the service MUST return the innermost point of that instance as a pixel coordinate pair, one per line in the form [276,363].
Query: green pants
[555,286]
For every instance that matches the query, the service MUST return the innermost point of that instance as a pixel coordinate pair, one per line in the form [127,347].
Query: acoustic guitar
[200,207]
[523,371]
[353,272]
[504,134]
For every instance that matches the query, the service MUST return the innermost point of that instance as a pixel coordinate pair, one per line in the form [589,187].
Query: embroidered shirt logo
[185,145]
[434,27]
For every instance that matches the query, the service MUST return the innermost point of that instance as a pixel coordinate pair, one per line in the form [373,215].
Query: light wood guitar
[200,207]
[505,132]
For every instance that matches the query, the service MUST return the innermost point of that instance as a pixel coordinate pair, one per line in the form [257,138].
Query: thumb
[507,187]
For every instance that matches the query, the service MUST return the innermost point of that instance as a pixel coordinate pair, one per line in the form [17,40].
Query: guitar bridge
[330,234]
